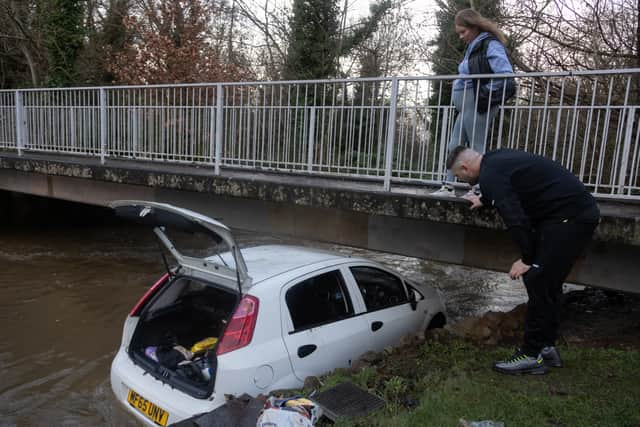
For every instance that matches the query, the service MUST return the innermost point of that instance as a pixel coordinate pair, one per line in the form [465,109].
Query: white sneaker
[444,191]
[474,191]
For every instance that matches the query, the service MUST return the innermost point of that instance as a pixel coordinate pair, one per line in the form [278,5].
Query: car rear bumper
[125,376]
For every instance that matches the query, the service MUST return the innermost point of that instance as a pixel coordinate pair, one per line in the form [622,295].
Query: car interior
[379,288]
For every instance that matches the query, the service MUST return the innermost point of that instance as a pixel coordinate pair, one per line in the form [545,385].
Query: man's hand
[518,269]
[475,201]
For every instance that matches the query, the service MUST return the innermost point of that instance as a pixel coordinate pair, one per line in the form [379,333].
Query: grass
[437,383]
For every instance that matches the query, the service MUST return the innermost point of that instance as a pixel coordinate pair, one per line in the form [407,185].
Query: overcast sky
[361,7]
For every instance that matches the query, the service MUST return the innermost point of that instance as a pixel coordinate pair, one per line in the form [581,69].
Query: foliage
[107,36]
[313,40]
[63,38]
[317,40]
[23,58]
[171,44]
[453,380]
[72,42]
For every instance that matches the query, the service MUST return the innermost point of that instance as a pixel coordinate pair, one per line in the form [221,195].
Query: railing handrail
[390,129]
[435,77]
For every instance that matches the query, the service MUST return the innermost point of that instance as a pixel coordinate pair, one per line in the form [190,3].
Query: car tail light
[136,309]
[239,331]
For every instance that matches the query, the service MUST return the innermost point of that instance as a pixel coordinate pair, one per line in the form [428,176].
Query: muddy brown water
[65,292]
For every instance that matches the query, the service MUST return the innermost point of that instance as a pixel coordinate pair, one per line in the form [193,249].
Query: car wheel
[438,321]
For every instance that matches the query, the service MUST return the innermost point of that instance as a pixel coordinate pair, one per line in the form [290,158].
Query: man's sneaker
[519,363]
[445,191]
[551,357]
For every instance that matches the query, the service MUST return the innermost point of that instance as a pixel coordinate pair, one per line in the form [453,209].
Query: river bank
[448,376]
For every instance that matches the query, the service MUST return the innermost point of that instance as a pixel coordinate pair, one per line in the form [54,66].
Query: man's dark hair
[453,155]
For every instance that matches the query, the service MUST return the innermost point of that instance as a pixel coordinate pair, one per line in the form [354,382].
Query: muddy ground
[600,318]
[589,317]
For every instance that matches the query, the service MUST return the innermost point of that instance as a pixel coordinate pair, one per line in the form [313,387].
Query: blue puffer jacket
[498,60]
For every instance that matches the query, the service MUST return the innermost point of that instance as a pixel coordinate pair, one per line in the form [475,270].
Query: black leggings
[557,248]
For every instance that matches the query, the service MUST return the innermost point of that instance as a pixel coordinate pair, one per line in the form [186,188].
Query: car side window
[318,300]
[379,289]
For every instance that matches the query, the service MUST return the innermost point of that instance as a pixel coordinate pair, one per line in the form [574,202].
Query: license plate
[149,409]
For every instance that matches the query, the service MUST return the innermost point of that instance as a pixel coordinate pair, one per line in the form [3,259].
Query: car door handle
[306,350]
[376,325]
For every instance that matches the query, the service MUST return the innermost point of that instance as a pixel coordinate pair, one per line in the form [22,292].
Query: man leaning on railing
[551,216]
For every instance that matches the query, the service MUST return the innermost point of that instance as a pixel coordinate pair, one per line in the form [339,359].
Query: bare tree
[396,47]
[272,23]
[573,34]
[20,37]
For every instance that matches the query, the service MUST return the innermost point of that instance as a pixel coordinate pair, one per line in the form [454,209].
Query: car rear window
[379,289]
[319,299]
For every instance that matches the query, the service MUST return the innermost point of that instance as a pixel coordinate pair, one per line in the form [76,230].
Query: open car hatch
[228,269]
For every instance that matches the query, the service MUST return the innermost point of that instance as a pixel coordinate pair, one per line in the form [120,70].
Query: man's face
[465,173]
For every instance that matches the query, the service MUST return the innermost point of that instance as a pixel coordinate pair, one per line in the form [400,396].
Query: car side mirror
[413,299]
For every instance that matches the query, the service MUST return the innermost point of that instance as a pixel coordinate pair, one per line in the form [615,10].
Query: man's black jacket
[530,190]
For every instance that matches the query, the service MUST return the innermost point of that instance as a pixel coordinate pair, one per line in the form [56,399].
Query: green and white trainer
[519,364]
[551,357]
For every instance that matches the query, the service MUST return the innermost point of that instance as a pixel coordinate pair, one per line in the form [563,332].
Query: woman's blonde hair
[469,18]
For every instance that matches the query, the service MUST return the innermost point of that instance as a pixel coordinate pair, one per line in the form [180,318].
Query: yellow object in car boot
[204,344]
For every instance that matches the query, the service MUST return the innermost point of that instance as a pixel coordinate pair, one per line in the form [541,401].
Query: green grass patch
[436,384]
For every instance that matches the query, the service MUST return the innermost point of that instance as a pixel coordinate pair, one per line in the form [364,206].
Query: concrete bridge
[405,220]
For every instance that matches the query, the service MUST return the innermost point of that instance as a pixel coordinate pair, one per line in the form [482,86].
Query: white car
[277,314]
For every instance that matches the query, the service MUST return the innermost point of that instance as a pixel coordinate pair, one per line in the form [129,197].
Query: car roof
[266,261]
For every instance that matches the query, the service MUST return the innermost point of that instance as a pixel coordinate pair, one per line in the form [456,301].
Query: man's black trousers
[558,245]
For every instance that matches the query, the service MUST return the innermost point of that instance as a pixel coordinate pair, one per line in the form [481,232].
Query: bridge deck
[620,218]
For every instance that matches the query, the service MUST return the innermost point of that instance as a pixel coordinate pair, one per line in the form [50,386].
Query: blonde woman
[485,54]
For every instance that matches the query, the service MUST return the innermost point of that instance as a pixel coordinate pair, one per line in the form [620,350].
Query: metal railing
[385,129]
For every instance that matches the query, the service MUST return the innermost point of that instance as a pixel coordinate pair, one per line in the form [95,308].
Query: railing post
[391,133]
[19,108]
[626,147]
[310,145]
[103,125]
[444,143]
[134,131]
[219,123]
[212,133]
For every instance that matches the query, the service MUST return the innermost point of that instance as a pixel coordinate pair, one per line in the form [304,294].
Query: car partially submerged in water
[228,321]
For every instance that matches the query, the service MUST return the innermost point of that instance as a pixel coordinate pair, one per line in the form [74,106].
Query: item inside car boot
[204,366]
[171,357]
[205,344]
[150,352]
[190,370]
